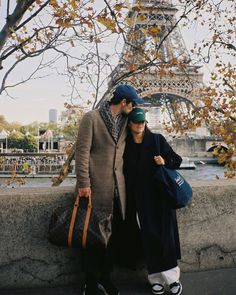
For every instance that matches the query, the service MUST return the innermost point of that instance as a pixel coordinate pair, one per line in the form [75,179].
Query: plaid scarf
[113,124]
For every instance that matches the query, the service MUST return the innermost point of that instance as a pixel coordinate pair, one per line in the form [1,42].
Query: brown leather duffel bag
[80,226]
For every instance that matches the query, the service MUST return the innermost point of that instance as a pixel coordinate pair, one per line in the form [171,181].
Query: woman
[148,204]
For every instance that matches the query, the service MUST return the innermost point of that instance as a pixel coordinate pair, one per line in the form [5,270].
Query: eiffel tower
[154,38]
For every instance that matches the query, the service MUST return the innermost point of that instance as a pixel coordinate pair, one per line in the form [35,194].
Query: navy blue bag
[176,187]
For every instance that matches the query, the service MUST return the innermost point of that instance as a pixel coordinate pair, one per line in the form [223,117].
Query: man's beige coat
[99,161]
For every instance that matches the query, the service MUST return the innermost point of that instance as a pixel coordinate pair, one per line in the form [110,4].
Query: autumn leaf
[74,4]
[107,22]
[142,17]
[130,21]
[63,23]
[162,72]
[118,6]
[132,67]
[54,4]
[214,38]
[157,40]
[154,30]
[174,61]
[73,14]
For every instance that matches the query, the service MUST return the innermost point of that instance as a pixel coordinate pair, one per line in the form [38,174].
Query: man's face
[126,107]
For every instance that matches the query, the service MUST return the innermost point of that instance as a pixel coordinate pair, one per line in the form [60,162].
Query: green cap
[137,115]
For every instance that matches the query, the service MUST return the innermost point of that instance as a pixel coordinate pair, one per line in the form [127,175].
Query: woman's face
[137,127]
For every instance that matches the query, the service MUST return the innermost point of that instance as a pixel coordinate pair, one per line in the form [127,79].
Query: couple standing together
[115,163]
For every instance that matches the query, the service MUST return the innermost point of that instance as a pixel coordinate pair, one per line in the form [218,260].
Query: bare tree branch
[32,16]
[8,7]
[13,20]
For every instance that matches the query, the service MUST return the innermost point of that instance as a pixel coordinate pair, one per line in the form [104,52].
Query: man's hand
[85,192]
[159,160]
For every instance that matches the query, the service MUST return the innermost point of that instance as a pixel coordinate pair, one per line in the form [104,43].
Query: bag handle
[86,223]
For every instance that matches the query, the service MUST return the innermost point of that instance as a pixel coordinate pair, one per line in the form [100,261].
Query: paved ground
[217,282]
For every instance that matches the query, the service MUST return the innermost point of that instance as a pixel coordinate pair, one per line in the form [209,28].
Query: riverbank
[204,171]
[34,175]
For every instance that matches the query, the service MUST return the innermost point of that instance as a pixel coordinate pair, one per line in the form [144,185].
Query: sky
[31,101]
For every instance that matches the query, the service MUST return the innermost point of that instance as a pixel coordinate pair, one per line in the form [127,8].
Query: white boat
[187,164]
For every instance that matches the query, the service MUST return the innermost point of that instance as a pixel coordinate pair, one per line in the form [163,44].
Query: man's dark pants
[98,263]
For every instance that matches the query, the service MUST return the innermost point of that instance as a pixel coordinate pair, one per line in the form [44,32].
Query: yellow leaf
[107,22]
[142,18]
[54,3]
[73,15]
[174,61]
[118,6]
[130,21]
[74,4]
[154,30]
[156,40]
[63,23]
[213,76]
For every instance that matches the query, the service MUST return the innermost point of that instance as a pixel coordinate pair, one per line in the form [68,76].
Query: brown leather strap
[86,223]
[72,222]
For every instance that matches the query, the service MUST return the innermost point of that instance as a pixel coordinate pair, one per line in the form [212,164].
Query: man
[99,169]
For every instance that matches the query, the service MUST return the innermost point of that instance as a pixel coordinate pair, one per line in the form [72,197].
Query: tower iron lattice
[155,59]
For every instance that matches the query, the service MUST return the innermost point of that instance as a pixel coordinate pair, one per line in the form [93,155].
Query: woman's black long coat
[159,229]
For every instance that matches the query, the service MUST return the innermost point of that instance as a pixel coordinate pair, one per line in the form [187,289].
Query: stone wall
[207,232]
[208,227]
[190,147]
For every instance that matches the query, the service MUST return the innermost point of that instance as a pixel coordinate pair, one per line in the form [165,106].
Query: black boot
[91,285]
[106,285]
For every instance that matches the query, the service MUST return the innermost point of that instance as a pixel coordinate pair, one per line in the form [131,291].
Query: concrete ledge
[207,232]
[207,227]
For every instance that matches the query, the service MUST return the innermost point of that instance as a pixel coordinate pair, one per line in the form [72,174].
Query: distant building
[53,115]
[48,142]
[3,140]
[154,118]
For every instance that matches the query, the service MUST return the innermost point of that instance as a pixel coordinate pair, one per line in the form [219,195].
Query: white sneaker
[176,288]
[158,289]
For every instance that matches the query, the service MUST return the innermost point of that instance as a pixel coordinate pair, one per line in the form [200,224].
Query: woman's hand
[159,160]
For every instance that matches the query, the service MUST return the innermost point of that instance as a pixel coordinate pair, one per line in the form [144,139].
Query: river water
[202,172]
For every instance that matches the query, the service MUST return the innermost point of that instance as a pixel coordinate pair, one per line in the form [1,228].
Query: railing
[49,168]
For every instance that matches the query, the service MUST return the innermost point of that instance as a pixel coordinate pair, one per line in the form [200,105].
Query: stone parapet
[207,227]
[207,232]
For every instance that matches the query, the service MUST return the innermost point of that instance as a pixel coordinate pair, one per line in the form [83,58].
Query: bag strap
[86,223]
[72,221]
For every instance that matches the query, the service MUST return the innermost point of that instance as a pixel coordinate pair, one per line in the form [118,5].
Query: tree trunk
[65,168]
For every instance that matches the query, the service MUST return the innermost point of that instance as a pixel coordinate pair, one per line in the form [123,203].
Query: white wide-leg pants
[166,277]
